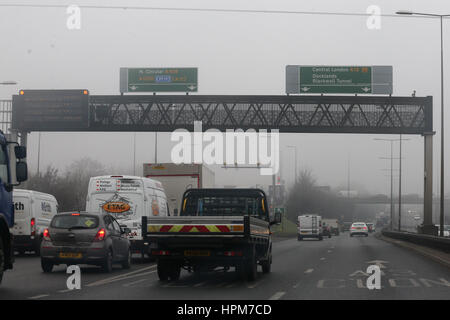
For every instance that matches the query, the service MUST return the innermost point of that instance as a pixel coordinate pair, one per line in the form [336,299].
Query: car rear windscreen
[75,221]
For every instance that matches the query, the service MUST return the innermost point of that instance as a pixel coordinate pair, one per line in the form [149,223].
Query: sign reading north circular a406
[158,80]
[339,79]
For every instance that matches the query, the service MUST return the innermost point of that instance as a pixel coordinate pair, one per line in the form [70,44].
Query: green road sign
[158,80]
[339,79]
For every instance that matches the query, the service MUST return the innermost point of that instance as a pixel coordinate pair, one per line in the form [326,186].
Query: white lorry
[309,226]
[128,199]
[33,212]
[177,178]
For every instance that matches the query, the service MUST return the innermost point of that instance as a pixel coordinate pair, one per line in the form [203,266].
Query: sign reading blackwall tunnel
[339,79]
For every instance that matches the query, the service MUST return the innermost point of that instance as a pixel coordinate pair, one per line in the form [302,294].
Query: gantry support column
[428,226]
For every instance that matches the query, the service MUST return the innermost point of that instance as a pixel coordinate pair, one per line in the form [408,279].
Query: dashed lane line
[254,285]
[102,282]
[39,296]
[277,296]
[129,284]
[309,270]
[126,274]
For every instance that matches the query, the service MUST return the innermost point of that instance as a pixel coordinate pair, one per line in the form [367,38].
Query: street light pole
[441,17]
[392,178]
[400,187]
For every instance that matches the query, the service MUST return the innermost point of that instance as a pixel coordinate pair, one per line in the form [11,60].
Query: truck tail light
[100,236]
[160,252]
[46,235]
[33,226]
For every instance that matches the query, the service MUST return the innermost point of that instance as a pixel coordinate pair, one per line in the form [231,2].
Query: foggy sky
[235,53]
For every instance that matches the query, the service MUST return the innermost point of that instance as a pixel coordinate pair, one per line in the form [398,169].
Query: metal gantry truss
[320,114]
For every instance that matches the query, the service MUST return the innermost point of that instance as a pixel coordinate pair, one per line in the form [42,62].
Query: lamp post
[441,17]
[392,179]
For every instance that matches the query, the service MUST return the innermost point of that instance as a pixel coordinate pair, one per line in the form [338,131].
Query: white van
[128,198]
[33,212]
[309,226]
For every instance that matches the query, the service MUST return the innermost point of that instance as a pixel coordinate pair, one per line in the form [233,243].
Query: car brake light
[100,235]
[33,226]
[75,214]
[353,228]
[46,235]
[365,228]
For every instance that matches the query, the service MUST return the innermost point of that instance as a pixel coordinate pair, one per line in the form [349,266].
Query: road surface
[330,269]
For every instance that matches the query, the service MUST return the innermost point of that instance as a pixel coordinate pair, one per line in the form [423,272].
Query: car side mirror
[277,218]
[21,171]
[20,152]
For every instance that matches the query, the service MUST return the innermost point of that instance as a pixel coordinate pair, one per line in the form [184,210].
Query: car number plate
[197,253]
[70,255]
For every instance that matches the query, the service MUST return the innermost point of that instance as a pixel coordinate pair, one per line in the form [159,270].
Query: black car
[85,238]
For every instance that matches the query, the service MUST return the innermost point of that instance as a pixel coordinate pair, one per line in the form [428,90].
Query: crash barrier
[421,239]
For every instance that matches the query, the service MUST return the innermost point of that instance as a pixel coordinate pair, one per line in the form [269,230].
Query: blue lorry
[13,170]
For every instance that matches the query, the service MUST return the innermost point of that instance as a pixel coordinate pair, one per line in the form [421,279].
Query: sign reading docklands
[50,110]
[339,79]
[158,80]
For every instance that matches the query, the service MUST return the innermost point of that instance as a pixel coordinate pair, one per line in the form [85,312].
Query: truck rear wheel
[174,273]
[162,271]
[46,265]
[267,265]
[2,260]
[252,267]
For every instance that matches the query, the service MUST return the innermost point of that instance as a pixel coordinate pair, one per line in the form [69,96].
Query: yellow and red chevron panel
[204,228]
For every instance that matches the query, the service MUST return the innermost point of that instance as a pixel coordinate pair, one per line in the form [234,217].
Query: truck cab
[13,170]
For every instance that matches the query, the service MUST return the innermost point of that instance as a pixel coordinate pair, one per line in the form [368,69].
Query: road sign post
[158,80]
[339,79]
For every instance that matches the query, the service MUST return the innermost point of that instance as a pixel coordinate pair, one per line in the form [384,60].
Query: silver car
[359,228]
[85,238]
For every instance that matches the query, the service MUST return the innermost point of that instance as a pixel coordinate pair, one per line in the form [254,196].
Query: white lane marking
[39,296]
[99,283]
[121,275]
[254,285]
[134,282]
[296,285]
[200,284]
[329,251]
[64,291]
[309,270]
[322,258]
[170,285]
[277,296]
